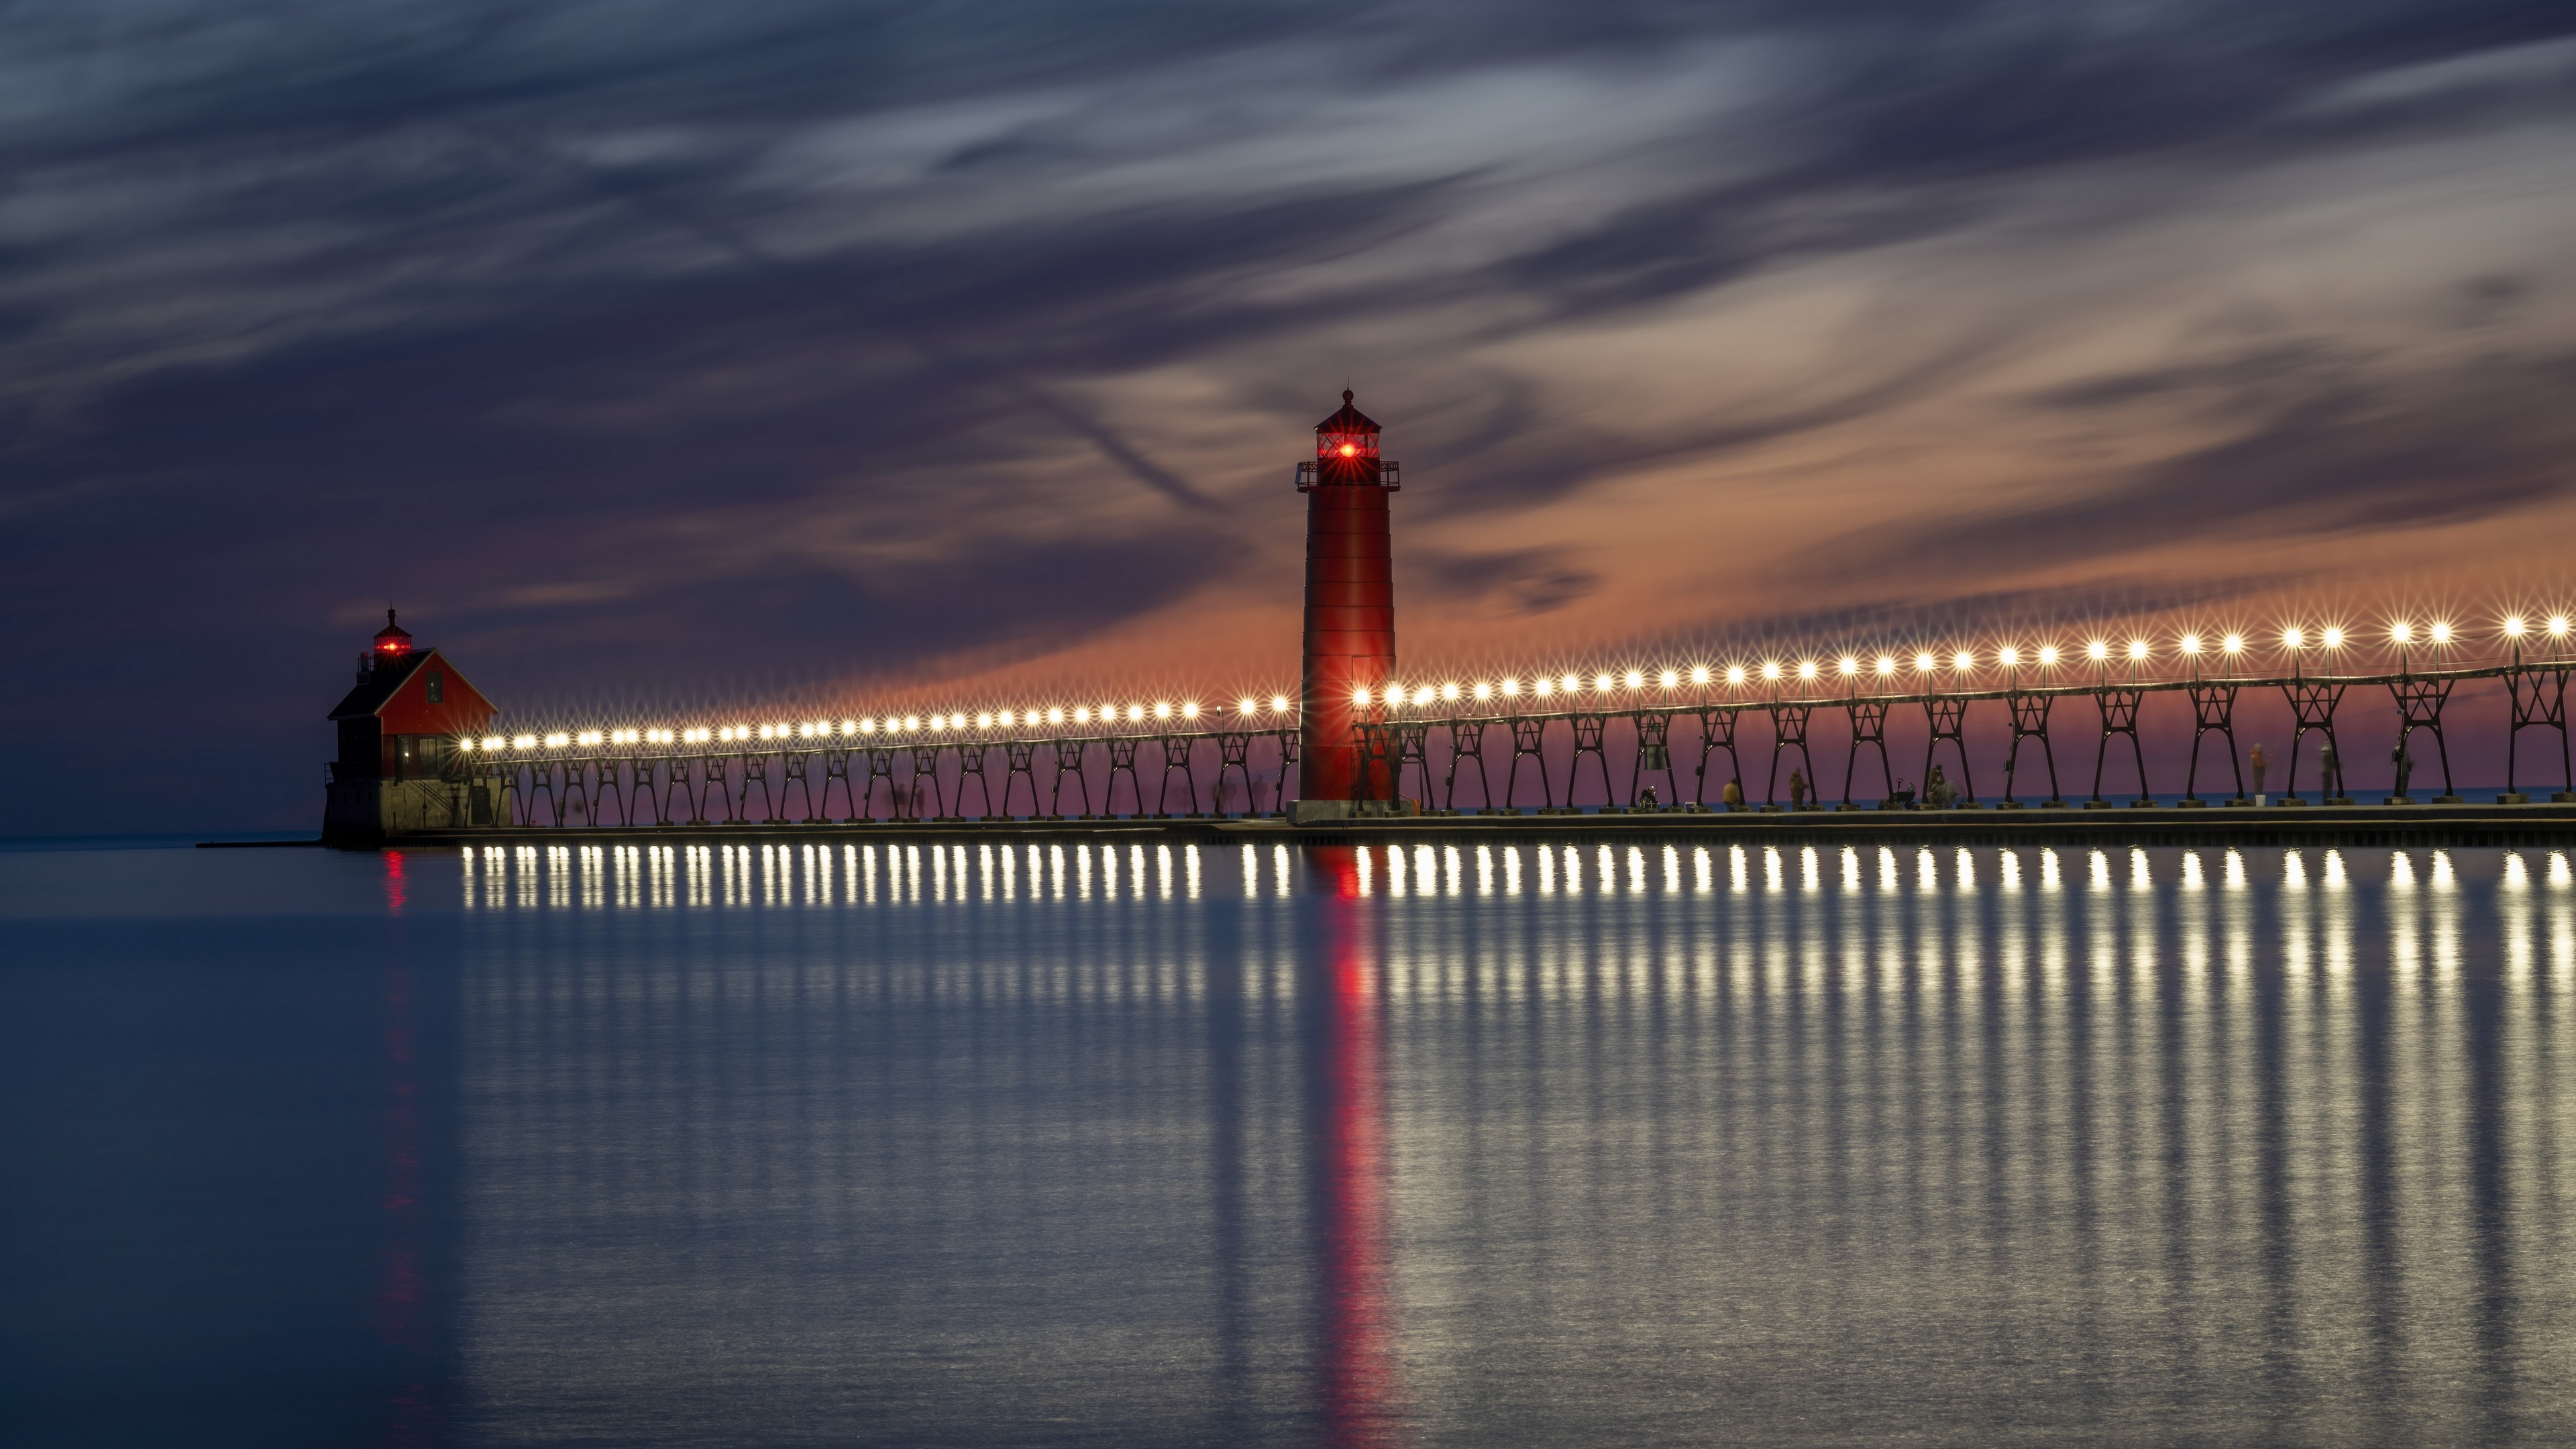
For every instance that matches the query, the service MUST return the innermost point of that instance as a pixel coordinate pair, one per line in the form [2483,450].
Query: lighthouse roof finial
[393,639]
[1349,420]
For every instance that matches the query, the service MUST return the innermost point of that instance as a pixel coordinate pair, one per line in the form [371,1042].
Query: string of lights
[1964,668]
[884,728]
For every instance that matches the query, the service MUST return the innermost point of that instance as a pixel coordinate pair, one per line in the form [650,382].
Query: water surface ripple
[1139,1144]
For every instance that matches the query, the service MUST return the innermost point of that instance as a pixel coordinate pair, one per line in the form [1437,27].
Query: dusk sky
[664,361]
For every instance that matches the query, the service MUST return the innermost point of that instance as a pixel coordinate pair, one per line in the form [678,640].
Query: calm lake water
[1141,1145]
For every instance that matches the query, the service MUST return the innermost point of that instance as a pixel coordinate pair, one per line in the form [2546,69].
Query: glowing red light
[1349,451]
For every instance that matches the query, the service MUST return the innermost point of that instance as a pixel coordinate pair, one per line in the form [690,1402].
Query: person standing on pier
[1733,795]
[2260,764]
[1797,790]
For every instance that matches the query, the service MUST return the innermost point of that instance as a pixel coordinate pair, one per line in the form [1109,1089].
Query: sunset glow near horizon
[778,368]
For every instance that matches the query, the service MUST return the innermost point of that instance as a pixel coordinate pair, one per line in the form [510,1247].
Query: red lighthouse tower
[1350,611]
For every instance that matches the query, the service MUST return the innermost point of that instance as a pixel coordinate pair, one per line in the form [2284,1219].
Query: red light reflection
[402,1300]
[1358,1377]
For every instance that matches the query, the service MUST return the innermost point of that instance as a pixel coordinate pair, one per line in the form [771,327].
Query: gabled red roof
[397,693]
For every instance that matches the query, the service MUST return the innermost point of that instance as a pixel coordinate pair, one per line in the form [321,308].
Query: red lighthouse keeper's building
[1350,618]
[403,753]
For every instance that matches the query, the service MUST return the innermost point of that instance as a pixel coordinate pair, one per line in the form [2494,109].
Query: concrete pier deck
[2475,824]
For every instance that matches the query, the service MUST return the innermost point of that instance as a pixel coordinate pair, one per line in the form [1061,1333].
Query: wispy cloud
[820,342]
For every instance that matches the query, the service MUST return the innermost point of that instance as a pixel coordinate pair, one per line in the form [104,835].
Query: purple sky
[662,361]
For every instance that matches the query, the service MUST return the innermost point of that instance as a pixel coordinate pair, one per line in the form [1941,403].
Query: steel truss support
[2539,700]
[546,779]
[1068,761]
[755,771]
[1868,727]
[925,766]
[1234,752]
[574,806]
[1122,757]
[2213,710]
[2119,706]
[836,766]
[679,776]
[711,789]
[1020,763]
[1176,756]
[1654,752]
[1949,721]
[641,784]
[499,794]
[1377,749]
[2419,707]
[505,791]
[1374,778]
[970,766]
[2313,704]
[1717,732]
[1467,742]
[715,783]
[1529,740]
[644,791]
[1412,747]
[577,786]
[720,780]
[880,767]
[796,760]
[1287,762]
[505,809]
[2030,722]
[1789,731]
[1588,732]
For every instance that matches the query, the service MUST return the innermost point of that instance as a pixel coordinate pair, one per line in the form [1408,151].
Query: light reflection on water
[1521,1143]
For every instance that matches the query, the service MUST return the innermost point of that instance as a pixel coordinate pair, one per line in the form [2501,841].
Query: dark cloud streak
[2338,459]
